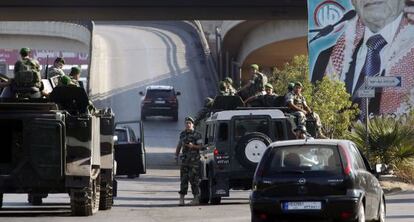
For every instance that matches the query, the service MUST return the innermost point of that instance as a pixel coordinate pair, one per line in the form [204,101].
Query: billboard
[354,40]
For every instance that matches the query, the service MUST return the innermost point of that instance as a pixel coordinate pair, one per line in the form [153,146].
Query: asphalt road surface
[127,57]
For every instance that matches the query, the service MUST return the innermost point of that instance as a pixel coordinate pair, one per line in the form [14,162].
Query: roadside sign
[384,81]
[366,93]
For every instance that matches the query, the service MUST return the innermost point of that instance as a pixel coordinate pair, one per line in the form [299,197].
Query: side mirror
[381,168]
[178,93]
[138,140]
[141,93]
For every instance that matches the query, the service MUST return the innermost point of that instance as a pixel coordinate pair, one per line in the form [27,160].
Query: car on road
[320,179]
[130,153]
[159,100]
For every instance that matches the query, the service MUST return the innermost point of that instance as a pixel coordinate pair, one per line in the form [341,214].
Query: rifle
[47,66]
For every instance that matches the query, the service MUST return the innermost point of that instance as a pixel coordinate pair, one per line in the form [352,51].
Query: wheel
[1,200]
[360,213]
[381,211]
[106,195]
[204,192]
[213,200]
[85,201]
[250,149]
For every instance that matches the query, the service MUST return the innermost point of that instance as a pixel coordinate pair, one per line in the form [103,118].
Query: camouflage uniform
[190,166]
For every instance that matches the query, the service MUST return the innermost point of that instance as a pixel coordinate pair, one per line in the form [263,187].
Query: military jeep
[54,145]
[234,140]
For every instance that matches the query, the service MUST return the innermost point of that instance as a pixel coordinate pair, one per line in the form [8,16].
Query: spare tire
[250,149]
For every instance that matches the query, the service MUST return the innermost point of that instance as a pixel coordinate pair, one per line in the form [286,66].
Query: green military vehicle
[235,138]
[56,145]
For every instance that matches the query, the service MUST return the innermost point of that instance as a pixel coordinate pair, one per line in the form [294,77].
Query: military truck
[234,140]
[56,145]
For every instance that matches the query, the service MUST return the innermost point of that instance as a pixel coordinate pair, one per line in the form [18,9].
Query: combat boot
[195,201]
[181,201]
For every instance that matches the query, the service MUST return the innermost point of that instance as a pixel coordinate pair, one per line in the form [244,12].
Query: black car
[319,179]
[130,153]
[159,101]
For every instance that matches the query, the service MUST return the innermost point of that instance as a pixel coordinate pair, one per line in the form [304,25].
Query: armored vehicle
[234,140]
[56,145]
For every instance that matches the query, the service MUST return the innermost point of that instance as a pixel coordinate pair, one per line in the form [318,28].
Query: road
[127,57]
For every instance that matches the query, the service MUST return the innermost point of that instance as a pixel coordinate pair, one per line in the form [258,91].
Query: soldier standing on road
[190,145]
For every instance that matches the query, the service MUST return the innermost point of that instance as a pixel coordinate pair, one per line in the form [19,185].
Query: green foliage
[390,141]
[328,97]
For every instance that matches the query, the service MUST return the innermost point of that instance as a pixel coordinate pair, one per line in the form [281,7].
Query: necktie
[372,63]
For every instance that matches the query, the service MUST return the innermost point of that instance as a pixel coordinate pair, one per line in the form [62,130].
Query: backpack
[28,74]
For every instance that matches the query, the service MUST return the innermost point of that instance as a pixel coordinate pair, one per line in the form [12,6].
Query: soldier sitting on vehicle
[27,81]
[229,85]
[205,111]
[270,99]
[223,90]
[255,85]
[56,71]
[297,104]
[301,132]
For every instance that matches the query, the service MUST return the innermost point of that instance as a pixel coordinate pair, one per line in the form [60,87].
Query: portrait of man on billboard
[377,39]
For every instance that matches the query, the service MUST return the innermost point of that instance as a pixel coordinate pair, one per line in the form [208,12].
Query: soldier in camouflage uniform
[229,84]
[223,90]
[75,76]
[55,72]
[203,113]
[297,104]
[190,145]
[255,85]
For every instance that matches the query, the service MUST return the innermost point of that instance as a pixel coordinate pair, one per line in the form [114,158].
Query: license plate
[308,205]
[160,102]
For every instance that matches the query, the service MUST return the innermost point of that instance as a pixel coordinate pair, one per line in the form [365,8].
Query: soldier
[190,145]
[297,104]
[203,113]
[256,83]
[301,132]
[27,76]
[223,90]
[75,76]
[267,100]
[56,69]
[229,84]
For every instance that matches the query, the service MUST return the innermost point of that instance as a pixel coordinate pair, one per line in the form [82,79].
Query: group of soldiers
[27,76]
[256,89]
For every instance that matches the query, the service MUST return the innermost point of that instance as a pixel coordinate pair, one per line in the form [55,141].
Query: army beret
[75,70]
[188,118]
[254,66]
[268,85]
[60,59]
[298,84]
[25,50]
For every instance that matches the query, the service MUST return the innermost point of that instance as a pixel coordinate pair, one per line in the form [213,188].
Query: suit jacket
[339,62]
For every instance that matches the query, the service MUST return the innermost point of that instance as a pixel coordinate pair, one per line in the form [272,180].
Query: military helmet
[300,128]
[65,80]
[222,86]
[291,85]
[60,59]
[74,70]
[24,51]
[255,67]
[298,84]
[189,118]
[228,80]
[268,85]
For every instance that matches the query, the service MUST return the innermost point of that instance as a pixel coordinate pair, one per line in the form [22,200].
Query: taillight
[147,100]
[347,160]
[215,152]
[346,215]
[172,99]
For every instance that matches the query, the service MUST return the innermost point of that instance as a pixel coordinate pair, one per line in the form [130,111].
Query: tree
[328,97]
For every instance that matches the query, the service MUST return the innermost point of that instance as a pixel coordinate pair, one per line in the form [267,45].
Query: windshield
[303,158]
[122,135]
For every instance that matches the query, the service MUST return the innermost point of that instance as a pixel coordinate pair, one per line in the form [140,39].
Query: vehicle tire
[85,201]
[1,200]
[381,211]
[213,200]
[250,149]
[360,213]
[106,196]
[204,192]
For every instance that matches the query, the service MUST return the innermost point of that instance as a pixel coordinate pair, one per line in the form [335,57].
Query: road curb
[393,190]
